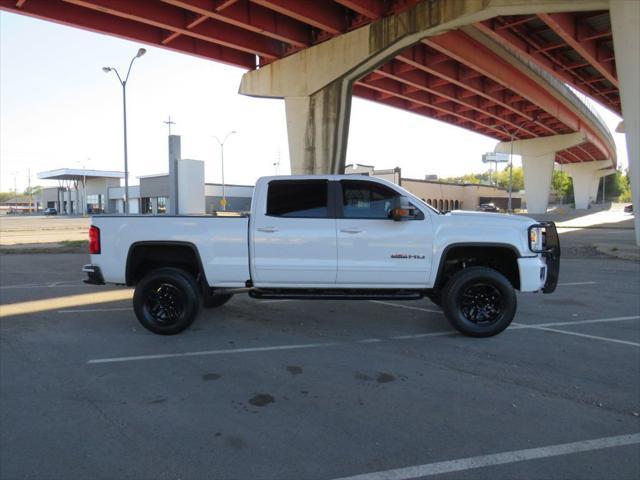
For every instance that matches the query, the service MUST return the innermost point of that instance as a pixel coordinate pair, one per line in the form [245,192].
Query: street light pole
[509,209]
[221,143]
[140,53]
[512,136]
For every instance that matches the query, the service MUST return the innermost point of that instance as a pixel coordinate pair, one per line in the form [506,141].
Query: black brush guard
[551,252]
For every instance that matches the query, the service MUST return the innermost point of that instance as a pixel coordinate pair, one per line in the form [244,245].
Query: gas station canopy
[78,174]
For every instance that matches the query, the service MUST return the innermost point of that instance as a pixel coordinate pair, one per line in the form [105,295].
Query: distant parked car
[629,208]
[50,211]
[488,207]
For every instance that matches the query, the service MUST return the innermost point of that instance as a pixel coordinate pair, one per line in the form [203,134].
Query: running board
[317,294]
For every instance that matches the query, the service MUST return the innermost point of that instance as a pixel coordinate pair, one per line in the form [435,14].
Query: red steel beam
[253,18]
[449,74]
[464,49]
[326,16]
[371,9]
[100,22]
[172,19]
[189,26]
[547,62]
[439,111]
[565,25]
[391,87]
[222,4]
[418,80]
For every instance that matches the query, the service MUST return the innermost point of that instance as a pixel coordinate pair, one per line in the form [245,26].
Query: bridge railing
[578,99]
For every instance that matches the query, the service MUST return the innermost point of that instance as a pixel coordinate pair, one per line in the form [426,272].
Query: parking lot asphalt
[317,389]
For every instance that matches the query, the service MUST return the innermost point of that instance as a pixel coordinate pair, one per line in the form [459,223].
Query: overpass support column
[585,177]
[538,155]
[538,172]
[625,18]
[316,82]
[318,130]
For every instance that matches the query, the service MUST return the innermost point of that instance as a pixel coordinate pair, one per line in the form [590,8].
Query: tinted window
[367,200]
[307,199]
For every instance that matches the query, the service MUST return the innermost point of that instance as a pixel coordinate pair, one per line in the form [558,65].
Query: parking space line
[464,464]
[571,284]
[425,335]
[96,310]
[584,335]
[583,322]
[48,285]
[405,306]
[213,352]
[514,326]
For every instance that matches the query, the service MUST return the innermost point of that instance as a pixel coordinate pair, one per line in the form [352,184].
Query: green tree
[468,178]
[4,196]
[518,179]
[561,184]
[35,190]
[625,187]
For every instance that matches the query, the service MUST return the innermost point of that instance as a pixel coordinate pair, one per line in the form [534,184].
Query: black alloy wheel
[481,304]
[479,301]
[165,304]
[166,301]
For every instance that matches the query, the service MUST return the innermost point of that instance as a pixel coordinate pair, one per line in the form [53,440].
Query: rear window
[303,199]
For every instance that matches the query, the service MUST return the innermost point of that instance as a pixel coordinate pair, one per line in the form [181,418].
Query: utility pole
[509,209]
[29,189]
[561,186]
[83,164]
[169,123]
[15,192]
[223,202]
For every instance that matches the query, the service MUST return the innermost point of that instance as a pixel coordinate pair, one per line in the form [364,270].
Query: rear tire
[479,302]
[166,301]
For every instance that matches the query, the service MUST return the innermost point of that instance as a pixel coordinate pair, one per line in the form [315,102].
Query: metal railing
[576,98]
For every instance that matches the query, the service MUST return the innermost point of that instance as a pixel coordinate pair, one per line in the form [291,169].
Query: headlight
[535,239]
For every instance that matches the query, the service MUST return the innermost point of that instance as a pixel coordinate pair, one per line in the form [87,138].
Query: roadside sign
[223,202]
[495,157]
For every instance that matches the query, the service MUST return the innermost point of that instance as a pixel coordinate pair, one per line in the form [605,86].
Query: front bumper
[94,275]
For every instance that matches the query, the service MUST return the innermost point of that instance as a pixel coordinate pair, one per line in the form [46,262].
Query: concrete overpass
[497,67]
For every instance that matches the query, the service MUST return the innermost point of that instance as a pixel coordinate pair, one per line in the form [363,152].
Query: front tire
[166,301]
[479,302]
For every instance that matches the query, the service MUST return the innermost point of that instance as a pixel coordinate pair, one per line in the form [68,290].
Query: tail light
[94,240]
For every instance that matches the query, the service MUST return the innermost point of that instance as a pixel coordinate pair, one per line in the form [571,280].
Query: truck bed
[224,239]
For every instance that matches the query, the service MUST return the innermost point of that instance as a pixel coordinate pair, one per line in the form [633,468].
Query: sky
[58,109]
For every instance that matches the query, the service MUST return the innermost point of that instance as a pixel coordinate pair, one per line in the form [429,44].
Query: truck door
[373,249]
[294,238]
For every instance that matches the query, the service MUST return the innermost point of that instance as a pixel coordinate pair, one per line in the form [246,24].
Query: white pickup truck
[327,237]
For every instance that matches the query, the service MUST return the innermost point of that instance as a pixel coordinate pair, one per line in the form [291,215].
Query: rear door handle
[267,229]
[351,230]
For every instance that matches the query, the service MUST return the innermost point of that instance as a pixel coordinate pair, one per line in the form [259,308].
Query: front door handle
[267,229]
[351,230]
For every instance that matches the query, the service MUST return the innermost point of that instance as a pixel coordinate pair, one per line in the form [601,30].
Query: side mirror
[398,214]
